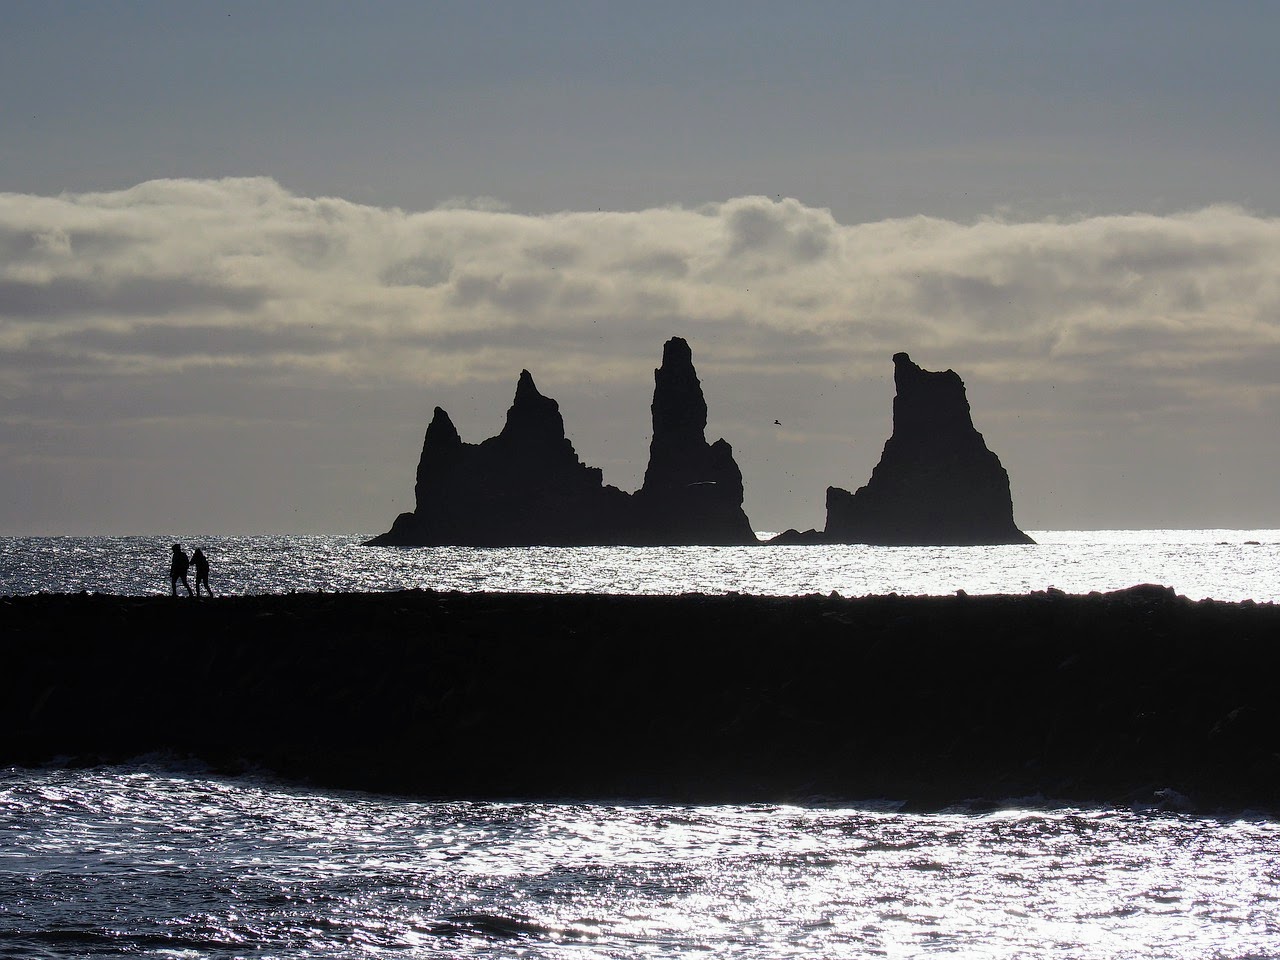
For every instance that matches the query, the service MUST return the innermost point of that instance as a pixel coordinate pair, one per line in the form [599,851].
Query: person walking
[178,570]
[201,563]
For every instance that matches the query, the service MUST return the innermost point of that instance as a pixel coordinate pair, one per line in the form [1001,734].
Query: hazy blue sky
[246,247]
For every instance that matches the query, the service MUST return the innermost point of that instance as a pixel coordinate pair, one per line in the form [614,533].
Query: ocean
[158,858]
[1230,565]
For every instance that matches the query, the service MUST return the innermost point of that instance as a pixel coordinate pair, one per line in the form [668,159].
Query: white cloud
[179,277]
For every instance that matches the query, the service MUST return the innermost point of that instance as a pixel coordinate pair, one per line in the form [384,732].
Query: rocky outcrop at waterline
[527,486]
[936,482]
[1133,697]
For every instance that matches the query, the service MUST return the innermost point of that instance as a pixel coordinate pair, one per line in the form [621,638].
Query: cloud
[184,277]
[224,257]
[123,296]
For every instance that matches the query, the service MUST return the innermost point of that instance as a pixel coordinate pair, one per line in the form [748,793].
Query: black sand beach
[1134,697]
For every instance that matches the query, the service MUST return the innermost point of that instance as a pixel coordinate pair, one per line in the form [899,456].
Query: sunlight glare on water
[144,862]
[1222,564]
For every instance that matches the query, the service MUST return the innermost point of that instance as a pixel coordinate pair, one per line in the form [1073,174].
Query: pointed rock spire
[692,491]
[532,418]
[441,432]
[441,450]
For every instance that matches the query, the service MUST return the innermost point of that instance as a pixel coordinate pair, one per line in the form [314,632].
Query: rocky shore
[1133,697]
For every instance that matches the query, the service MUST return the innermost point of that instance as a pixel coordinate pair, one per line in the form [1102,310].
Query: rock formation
[692,491]
[936,482]
[527,486]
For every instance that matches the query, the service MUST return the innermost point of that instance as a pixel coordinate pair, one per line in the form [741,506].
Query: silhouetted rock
[527,486]
[936,482]
[692,491]
[792,536]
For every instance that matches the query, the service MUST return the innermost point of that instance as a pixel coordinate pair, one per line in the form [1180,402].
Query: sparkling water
[148,862]
[1223,564]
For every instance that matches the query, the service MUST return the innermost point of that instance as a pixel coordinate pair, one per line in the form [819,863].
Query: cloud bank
[1159,330]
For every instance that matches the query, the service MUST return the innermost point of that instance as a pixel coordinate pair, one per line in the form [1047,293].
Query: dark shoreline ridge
[1132,697]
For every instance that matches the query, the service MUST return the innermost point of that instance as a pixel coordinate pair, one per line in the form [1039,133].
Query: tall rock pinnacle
[936,482]
[692,491]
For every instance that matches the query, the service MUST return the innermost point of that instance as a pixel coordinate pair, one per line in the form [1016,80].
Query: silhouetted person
[178,570]
[201,563]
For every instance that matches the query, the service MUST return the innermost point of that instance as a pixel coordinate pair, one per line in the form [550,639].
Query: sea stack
[692,491]
[936,482]
[524,487]
[527,487]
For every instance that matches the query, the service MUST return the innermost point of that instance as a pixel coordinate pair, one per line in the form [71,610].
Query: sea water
[147,861]
[159,860]
[1222,564]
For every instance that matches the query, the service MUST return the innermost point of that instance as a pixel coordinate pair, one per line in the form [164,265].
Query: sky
[246,248]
